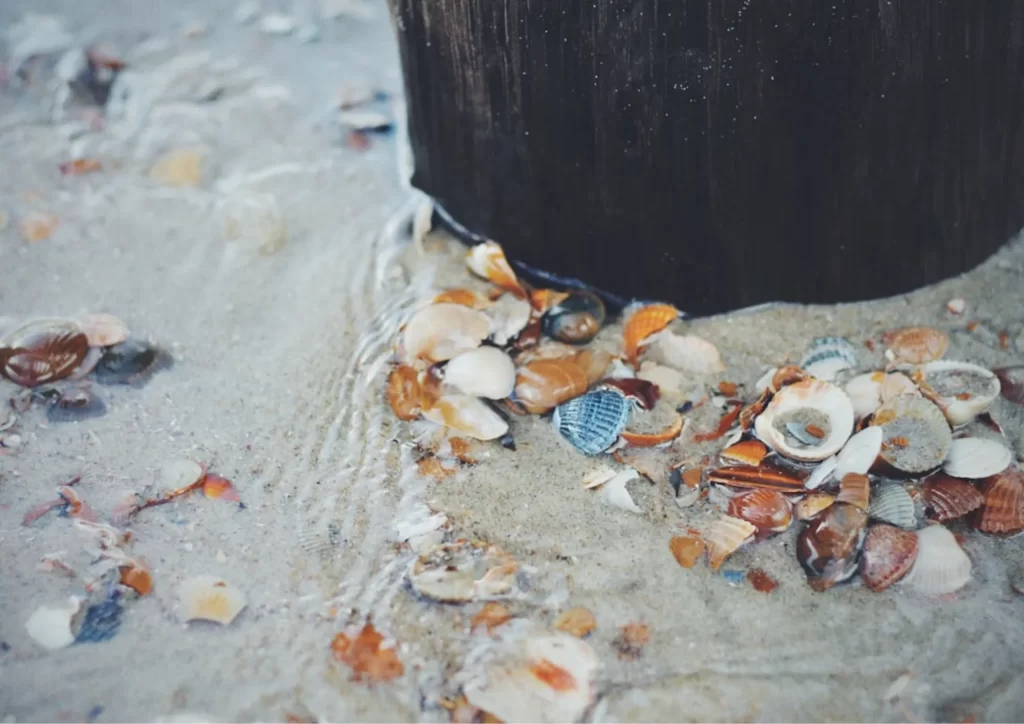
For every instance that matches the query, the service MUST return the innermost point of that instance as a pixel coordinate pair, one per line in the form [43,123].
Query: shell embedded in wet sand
[209,598]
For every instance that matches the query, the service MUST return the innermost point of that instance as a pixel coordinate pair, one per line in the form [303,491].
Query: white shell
[686,353]
[896,384]
[960,412]
[614,491]
[179,473]
[671,382]
[827,357]
[865,393]
[103,330]
[941,566]
[975,457]
[463,571]
[509,316]
[468,415]
[891,503]
[824,397]
[482,372]
[50,626]
[439,332]
[208,598]
[822,474]
[859,453]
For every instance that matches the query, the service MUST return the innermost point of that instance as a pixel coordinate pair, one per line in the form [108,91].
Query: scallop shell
[812,504]
[891,503]
[403,392]
[593,422]
[1011,380]
[103,330]
[960,408]
[974,458]
[916,436]
[467,415]
[687,353]
[644,322]
[42,350]
[827,357]
[918,345]
[828,545]
[208,598]
[950,498]
[463,571]
[725,536]
[439,332]
[768,510]
[745,452]
[487,260]
[482,372]
[859,453]
[821,397]
[865,393]
[941,567]
[1003,509]
[889,554]
[855,489]
[576,319]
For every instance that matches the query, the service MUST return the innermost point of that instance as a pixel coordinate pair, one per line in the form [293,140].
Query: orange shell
[746,476]
[546,383]
[812,505]
[724,537]
[464,297]
[219,487]
[578,622]
[404,392]
[768,510]
[1003,510]
[918,345]
[746,452]
[949,498]
[544,299]
[889,554]
[761,581]
[641,440]
[137,578]
[686,549]
[855,489]
[642,324]
[488,260]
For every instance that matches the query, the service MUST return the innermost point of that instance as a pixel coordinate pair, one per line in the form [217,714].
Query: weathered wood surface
[724,153]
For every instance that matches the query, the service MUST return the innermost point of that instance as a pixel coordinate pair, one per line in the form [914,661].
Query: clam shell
[961,390]
[576,319]
[860,452]
[482,372]
[824,400]
[687,353]
[103,330]
[826,357]
[918,345]
[546,383]
[812,504]
[644,322]
[1011,380]
[891,503]
[42,350]
[941,566]
[209,598]
[974,458]
[487,260]
[828,545]
[855,489]
[865,393]
[439,332]
[725,536]
[888,555]
[768,510]
[950,498]
[916,436]
[52,626]
[468,415]
[593,422]
[463,571]
[1002,511]
[746,452]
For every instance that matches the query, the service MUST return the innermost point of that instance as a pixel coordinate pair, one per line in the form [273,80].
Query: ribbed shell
[1003,510]
[768,510]
[942,566]
[827,356]
[888,556]
[855,489]
[950,498]
[593,422]
[891,503]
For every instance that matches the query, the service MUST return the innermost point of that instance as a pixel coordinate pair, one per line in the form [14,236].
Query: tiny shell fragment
[745,452]
[761,581]
[578,622]
[79,166]
[364,655]
[463,571]
[38,226]
[220,488]
[137,578]
[813,504]
[631,640]
[464,297]
[208,598]
[686,549]
[492,615]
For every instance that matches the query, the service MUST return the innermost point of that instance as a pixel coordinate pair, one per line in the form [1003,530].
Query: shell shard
[812,504]
[643,323]
[510,318]
[888,555]
[467,415]
[974,458]
[941,566]
[892,504]
[826,357]
[463,571]
[724,538]
[855,489]
[828,545]
[915,435]
[482,372]
[439,332]
[949,498]
[103,330]
[615,493]
[824,411]
[961,390]
[1002,510]
[593,422]
[918,345]
[404,393]
[487,260]
[745,452]
[859,453]
[822,474]
[208,598]
[769,511]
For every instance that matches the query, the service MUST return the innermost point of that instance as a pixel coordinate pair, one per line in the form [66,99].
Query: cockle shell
[482,372]
[855,489]
[42,350]
[859,453]
[593,422]
[889,553]
[463,571]
[546,383]
[915,434]
[725,536]
[439,332]
[644,322]
[829,544]
[891,503]
[826,357]
[576,319]
[941,567]
[865,393]
[467,415]
[974,458]
[1002,511]
[768,510]
[809,397]
[812,504]
[686,353]
[918,345]
[103,330]
[949,498]
[961,390]
[487,260]
[209,598]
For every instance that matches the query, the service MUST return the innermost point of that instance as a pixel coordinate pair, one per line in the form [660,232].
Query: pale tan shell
[865,393]
[941,566]
[103,330]
[974,458]
[209,598]
[823,397]
[509,316]
[467,415]
[687,353]
[812,504]
[725,536]
[961,409]
[918,345]
[482,372]
[896,384]
[439,332]
[487,260]
[463,571]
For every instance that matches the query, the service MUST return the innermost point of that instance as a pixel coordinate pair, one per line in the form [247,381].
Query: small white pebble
[956,306]
[187,546]
[277,24]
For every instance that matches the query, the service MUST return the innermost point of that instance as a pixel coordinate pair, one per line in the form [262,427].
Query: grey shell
[594,421]
[891,503]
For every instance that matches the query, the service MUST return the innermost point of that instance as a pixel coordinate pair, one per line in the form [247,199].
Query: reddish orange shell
[889,554]
[746,452]
[949,498]
[855,489]
[686,549]
[918,345]
[642,324]
[404,392]
[544,299]
[219,487]
[761,581]
[768,510]
[464,297]
[746,476]
[137,578]
[827,547]
[1003,510]
[637,439]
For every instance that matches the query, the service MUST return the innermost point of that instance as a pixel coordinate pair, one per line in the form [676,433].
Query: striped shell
[768,510]
[891,503]
[745,452]
[974,458]
[949,498]
[918,345]
[1003,509]
[827,357]
[42,350]
[942,566]
[547,383]
[828,546]
[644,322]
[889,553]
[855,489]
[724,537]
[592,423]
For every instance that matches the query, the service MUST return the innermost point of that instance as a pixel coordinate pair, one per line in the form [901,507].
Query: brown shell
[745,452]
[949,498]
[725,536]
[1002,512]
[1011,382]
[645,393]
[770,511]
[546,383]
[889,554]
[828,545]
[918,345]
[855,489]
[404,392]
[47,356]
[813,504]
[642,324]
[746,476]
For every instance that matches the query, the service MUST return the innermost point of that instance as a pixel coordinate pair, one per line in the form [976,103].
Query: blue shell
[594,421]
[836,352]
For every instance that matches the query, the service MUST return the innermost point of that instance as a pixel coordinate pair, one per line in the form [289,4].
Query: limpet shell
[593,422]
[467,415]
[889,553]
[1002,511]
[974,458]
[859,453]
[949,498]
[42,350]
[768,510]
[439,332]
[941,567]
[209,598]
[103,330]
[644,322]
[823,403]
[725,536]
[916,436]
[829,544]
[482,372]
[891,503]
[961,390]
[576,319]
[826,357]
[463,571]
[918,345]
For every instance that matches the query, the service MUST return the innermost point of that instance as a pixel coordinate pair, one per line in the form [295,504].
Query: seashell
[1011,380]
[744,476]
[544,299]
[865,393]
[829,544]
[645,394]
[891,503]
[827,357]
[686,549]
[103,330]
[467,415]
[961,390]
[464,297]
[52,627]
[576,319]
[439,332]
[687,353]
[482,372]
[614,491]
[74,404]
[915,434]
[404,393]
[918,345]
[136,577]
[593,422]
[746,452]
[855,489]
[941,566]
[644,322]
[859,453]
[889,553]
[636,439]
[130,363]
[463,571]
[812,504]
[896,384]
[812,404]
[42,350]
[725,536]
[546,383]
[949,498]
[487,260]
[768,510]
[669,381]
[1002,511]
[956,306]
[510,317]
[822,474]
[208,598]
[92,358]
[974,458]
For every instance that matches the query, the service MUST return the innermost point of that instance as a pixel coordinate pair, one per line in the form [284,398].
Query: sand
[280,355]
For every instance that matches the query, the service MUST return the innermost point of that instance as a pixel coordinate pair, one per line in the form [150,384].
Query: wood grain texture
[723,153]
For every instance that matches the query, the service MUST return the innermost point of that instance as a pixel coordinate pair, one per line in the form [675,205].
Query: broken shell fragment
[769,511]
[686,549]
[482,372]
[1011,380]
[687,353]
[42,350]
[130,362]
[865,392]
[576,319]
[615,493]
[961,390]
[895,384]
[669,434]
[745,452]
[859,453]
[812,504]
[889,553]
[439,332]
[487,260]
[103,330]
[949,498]
[644,322]
[918,345]
[137,578]
[915,434]
[645,394]
[578,622]
[467,415]
[465,297]
[510,319]
[974,458]
[827,357]
[463,571]
[403,392]
[822,474]
[593,422]
[725,536]
[820,408]
[828,546]
[1002,511]
[855,489]
[52,627]
[941,566]
[208,598]
[744,476]
[891,503]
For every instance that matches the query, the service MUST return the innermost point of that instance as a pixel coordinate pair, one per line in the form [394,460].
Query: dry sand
[277,384]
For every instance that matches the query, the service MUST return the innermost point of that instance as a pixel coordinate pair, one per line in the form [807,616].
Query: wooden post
[723,153]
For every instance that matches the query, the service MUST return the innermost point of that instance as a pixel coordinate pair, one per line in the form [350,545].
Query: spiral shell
[889,554]
[576,319]
[593,422]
